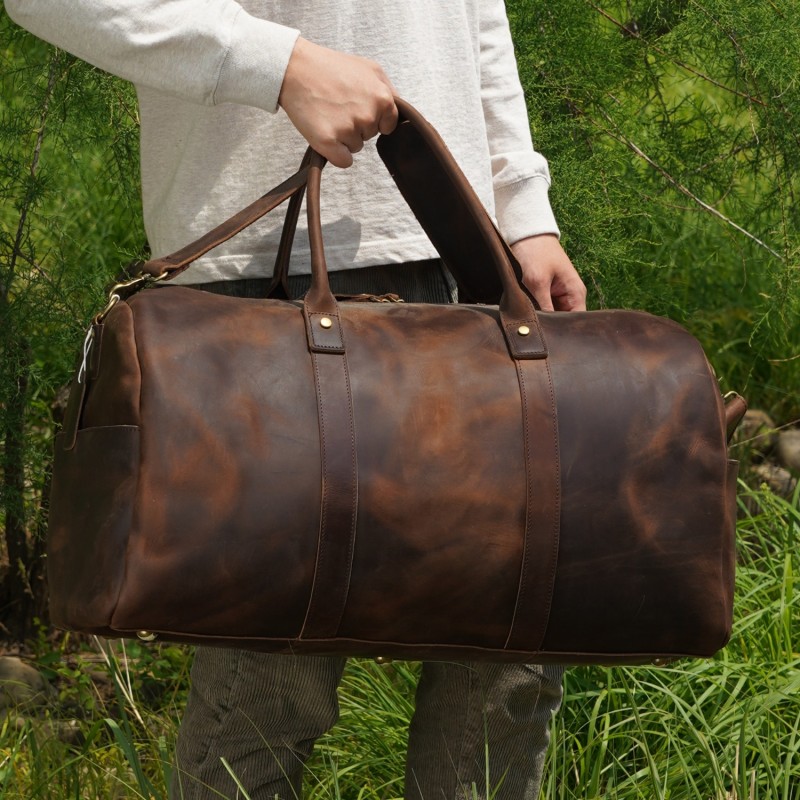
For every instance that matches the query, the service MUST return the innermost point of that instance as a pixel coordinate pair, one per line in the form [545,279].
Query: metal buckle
[125,289]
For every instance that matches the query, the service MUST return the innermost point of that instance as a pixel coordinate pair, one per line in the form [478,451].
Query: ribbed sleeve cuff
[253,70]
[523,209]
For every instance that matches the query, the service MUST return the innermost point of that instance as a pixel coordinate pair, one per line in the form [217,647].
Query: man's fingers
[573,298]
[544,301]
[353,140]
[541,294]
[549,274]
[388,120]
[336,101]
[337,154]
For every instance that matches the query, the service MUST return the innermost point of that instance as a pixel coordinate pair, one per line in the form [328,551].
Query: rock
[779,480]
[757,431]
[21,685]
[788,449]
[67,731]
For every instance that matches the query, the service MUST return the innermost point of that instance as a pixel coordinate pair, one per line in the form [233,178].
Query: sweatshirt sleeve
[204,51]
[520,174]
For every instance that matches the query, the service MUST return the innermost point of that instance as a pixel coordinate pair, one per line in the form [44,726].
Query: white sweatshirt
[208,74]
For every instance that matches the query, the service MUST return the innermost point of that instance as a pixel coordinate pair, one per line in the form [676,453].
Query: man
[228,93]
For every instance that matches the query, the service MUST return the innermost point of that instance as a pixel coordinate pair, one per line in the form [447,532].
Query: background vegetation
[672,134]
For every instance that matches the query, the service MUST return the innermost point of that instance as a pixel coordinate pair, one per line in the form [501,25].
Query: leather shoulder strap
[177,262]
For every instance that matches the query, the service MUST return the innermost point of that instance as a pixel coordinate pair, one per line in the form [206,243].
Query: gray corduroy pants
[474,724]
[262,713]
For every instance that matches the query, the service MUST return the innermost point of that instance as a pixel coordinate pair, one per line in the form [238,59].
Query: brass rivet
[523,330]
[147,636]
[325,322]
[382,660]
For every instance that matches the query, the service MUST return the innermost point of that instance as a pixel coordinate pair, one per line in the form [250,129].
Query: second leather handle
[519,322]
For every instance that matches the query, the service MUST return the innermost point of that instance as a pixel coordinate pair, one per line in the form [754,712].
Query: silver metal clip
[87,348]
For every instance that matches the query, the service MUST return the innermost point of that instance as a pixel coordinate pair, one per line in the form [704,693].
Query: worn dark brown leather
[338,513]
[388,479]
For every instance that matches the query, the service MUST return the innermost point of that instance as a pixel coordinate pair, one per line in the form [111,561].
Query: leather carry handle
[430,180]
[279,286]
[447,207]
[518,317]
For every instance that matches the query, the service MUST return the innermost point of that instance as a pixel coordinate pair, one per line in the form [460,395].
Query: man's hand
[337,101]
[549,275]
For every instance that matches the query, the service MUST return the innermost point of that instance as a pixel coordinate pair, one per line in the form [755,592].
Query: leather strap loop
[543,507]
[323,325]
[457,223]
[319,298]
[339,507]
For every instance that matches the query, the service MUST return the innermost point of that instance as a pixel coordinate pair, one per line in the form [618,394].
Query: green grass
[721,729]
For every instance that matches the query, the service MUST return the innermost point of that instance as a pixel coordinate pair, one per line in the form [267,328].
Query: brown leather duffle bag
[393,479]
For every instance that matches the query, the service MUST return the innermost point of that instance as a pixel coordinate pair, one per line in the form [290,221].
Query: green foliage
[671,131]
[365,752]
[69,211]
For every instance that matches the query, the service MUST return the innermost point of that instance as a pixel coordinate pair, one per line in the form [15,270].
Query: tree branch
[682,64]
[633,147]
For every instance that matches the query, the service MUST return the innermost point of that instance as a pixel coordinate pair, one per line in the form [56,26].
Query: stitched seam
[528,504]
[512,327]
[323,502]
[412,648]
[225,58]
[335,347]
[556,511]
[354,493]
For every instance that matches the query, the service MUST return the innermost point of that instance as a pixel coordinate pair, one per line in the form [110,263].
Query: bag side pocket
[91,514]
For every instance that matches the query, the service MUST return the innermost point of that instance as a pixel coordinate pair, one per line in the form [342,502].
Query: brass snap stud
[382,660]
[147,636]
[523,330]
[326,322]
